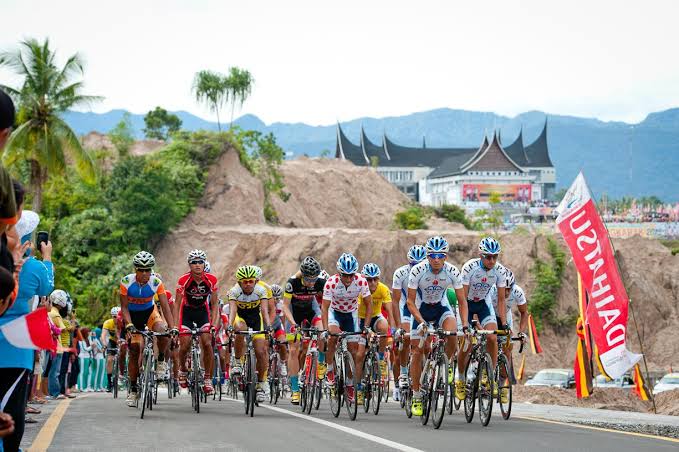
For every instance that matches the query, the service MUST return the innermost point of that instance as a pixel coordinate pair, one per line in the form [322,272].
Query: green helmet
[246,272]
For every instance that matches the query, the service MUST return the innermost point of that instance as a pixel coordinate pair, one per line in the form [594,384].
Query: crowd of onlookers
[30,378]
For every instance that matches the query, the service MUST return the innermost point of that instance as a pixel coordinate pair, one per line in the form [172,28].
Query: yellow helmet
[246,272]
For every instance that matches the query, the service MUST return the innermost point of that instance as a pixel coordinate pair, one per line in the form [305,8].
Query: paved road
[96,421]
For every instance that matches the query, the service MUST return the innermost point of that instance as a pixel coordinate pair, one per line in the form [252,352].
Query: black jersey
[301,296]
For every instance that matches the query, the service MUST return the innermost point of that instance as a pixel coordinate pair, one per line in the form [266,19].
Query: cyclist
[136,303]
[402,317]
[247,311]
[110,336]
[514,296]
[431,278]
[381,299]
[478,276]
[196,303]
[223,337]
[340,312]
[301,304]
[275,314]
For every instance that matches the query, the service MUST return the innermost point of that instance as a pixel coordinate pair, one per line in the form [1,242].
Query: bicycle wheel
[170,380]
[367,379]
[349,373]
[439,390]
[252,381]
[310,384]
[336,388]
[196,380]
[504,384]
[318,395]
[272,377]
[145,386]
[471,387]
[114,377]
[216,378]
[376,390]
[154,384]
[486,390]
[408,401]
[455,402]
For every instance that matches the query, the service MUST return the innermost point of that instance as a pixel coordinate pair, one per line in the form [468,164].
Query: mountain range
[617,158]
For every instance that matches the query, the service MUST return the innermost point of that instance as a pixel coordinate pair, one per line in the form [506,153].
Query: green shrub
[455,214]
[548,277]
[414,217]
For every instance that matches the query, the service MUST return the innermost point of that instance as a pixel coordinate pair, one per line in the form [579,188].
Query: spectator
[74,375]
[8,208]
[67,343]
[59,300]
[35,278]
[85,360]
[99,373]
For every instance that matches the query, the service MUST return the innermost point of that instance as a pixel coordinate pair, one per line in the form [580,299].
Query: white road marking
[342,428]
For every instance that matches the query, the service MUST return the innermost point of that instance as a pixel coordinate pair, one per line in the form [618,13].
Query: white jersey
[481,280]
[517,297]
[431,287]
[400,282]
[343,298]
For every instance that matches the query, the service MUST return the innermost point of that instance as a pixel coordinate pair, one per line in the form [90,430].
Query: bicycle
[309,384]
[250,371]
[503,368]
[344,378]
[454,402]
[234,380]
[387,381]
[217,373]
[147,379]
[275,380]
[434,378]
[196,373]
[478,376]
[114,374]
[406,394]
[372,373]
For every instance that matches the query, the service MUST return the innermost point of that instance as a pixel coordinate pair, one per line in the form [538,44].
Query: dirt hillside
[96,140]
[336,207]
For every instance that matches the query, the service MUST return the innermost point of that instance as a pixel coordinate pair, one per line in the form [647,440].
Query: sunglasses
[310,280]
[376,278]
[248,281]
[196,262]
[437,255]
[346,275]
[489,257]
[144,270]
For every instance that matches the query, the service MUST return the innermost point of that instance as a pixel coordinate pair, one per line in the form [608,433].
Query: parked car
[667,383]
[624,382]
[561,378]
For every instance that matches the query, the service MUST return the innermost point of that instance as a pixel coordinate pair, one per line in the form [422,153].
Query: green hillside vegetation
[97,228]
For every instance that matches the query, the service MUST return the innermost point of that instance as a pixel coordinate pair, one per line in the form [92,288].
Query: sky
[322,62]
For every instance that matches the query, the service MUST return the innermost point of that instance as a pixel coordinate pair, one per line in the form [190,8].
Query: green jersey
[452,297]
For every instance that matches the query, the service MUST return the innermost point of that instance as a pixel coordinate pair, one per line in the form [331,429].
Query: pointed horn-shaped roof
[516,150]
[538,151]
[494,144]
[349,150]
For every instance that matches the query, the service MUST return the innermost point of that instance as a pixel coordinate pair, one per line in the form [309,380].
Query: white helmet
[196,255]
[59,298]
[207,267]
[114,311]
[144,260]
[258,272]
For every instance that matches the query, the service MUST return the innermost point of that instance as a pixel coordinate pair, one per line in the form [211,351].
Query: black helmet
[310,267]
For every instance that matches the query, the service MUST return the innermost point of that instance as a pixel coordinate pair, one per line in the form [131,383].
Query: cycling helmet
[509,278]
[371,270]
[144,260]
[416,254]
[323,274]
[258,271]
[69,307]
[196,255]
[59,298]
[114,311]
[437,244]
[489,246]
[347,264]
[207,267]
[276,291]
[310,267]
[246,272]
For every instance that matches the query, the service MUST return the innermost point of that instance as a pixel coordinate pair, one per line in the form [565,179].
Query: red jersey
[195,294]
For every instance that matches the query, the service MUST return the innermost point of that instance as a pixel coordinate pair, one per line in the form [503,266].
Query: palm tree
[210,88]
[43,138]
[239,86]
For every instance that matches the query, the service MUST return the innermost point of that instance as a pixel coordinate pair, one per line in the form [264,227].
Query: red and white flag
[30,331]
[606,314]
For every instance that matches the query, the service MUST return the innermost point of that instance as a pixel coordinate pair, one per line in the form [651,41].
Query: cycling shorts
[406,317]
[306,313]
[373,321]
[140,319]
[252,320]
[346,322]
[435,314]
[188,316]
[482,310]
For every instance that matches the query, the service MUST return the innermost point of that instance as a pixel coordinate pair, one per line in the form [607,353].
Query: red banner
[606,316]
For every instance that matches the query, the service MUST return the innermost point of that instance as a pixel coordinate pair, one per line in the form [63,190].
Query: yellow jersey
[381,295]
[110,325]
[266,287]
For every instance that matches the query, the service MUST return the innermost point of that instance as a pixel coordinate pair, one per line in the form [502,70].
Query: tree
[239,87]
[122,136]
[211,89]
[42,138]
[325,153]
[160,124]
